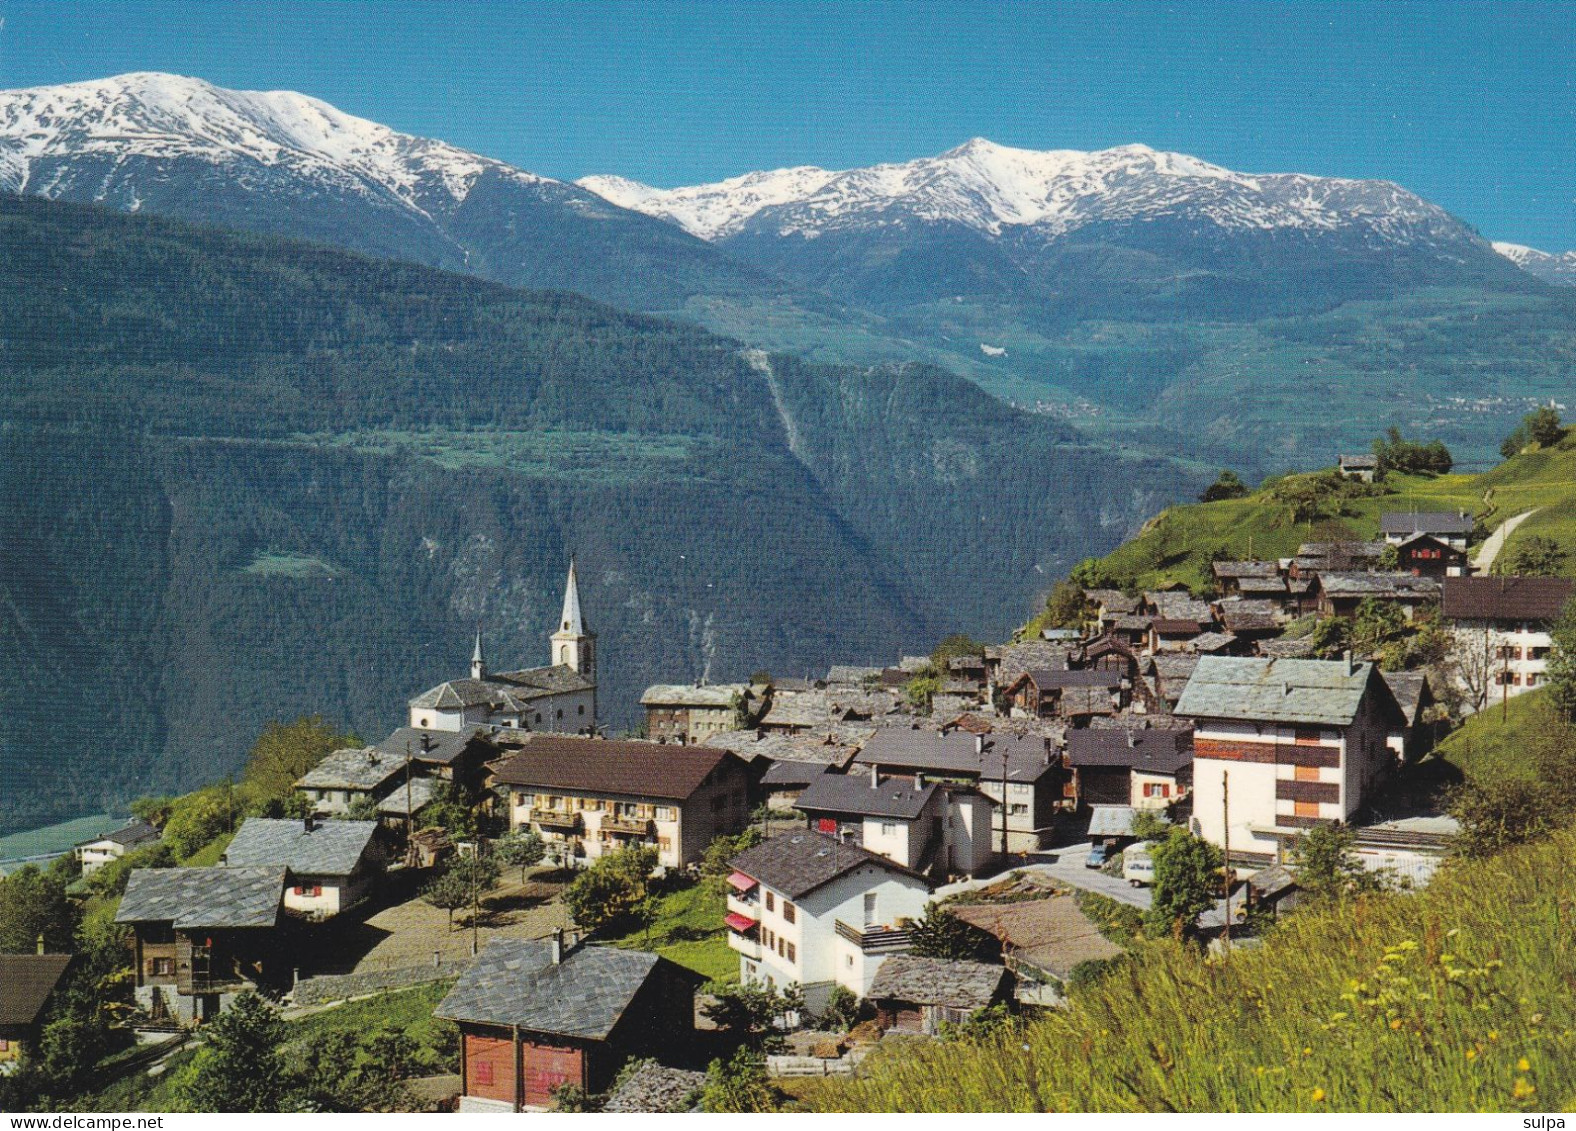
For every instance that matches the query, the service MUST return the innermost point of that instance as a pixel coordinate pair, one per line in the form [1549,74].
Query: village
[884,853]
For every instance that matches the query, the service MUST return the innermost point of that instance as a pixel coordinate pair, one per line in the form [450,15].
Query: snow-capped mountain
[992,188]
[1557,269]
[285,163]
[1129,231]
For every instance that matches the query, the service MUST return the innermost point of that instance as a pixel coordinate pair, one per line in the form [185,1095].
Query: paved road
[1495,542]
[1068,867]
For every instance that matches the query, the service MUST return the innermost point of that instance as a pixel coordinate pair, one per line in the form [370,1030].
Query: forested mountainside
[245,478]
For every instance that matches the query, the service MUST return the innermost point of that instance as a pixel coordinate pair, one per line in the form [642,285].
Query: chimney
[919,781]
[309,822]
[875,775]
[979,746]
[41,942]
[557,946]
[1132,739]
[1351,668]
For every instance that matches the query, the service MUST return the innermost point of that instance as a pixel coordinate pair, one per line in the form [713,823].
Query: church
[559,698]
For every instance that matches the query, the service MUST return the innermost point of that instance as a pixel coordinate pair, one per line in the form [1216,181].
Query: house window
[1156,789]
[1018,810]
[1532,679]
[782,947]
[5,1045]
[483,1072]
[665,813]
[423,724]
[848,960]
[582,708]
[888,828]
[826,825]
[771,903]
[161,967]
[793,955]
[789,914]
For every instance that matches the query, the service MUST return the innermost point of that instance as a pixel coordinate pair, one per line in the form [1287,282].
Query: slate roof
[1286,649]
[1211,642]
[937,981]
[781,774]
[1375,584]
[1087,677]
[853,794]
[657,1089]
[192,898]
[444,745]
[364,768]
[26,981]
[1408,688]
[503,691]
[1052,934]
[1038,654]
[1172,604]
[815,709]
[133,834]
[1111,600]
[953,753]
[830,744]
[851,673]
[1087,701]
[1425,522]
[1239,621]
[1239,570]
[1111,820]
[1132,623]
[1338,555]
[594,765]
[710,695]
[515,982]
[1360,462]
[1275,690]
[1148,751]
[1505,598]
[422,791]
[331,848]
[1061,635]
[1272,585]
[798,863]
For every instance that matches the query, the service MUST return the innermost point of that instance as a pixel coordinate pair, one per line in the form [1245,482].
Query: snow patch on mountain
[713,211]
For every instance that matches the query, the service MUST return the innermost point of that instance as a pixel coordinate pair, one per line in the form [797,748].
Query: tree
[749,1011]
[941,934]
[1376,624]
[1532,556]
[1187,881]
[1150,824]
[1067,607]
[1331,637]
[957,646]
[1562,662]
[1497,813]
[449,810]
[240,1067]
[1328,867]
[284,752]
[1543,426]
[447,892]
[738,1086]
[1225,486]
[1306,496]
[714,866]
[1408,457]
[198,818]
[33,903]
[612,888]
[522,850]
[923,688]
[842,1010]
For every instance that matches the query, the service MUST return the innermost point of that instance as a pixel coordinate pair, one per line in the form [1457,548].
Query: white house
[916,822]
[1501,628]
[559,698]
[806,909]
[1280,746]
[331,865]
[94,854]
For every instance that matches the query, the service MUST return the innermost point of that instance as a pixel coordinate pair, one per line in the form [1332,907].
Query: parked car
[1098,855]
[1138,867]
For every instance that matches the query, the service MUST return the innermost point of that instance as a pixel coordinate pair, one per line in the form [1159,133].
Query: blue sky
[1471,105]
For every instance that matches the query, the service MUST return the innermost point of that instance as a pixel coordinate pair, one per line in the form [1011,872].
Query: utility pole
[1225,819]
[410,816]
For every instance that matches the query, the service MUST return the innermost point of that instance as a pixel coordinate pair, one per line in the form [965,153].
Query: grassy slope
[1454,999]
[689,931]
[1486,746]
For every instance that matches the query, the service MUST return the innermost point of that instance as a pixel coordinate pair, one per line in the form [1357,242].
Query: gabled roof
[1148,751]
[781,774]
[712,695]
[1111,820]
[1505,598]
[133,834]
[1046,679]
[1244,569]
[443,746]
[852,794]
[937,981]
[955,753]
[1360,462]
[516,982]
[418,796]
[1376,584]
[798,863]
[625,769]
[363,768]
[1409,689]
[503,691]
[1111,600]
[1425,522]
[1274,690]
[26,981]
[192,898]
[328,848]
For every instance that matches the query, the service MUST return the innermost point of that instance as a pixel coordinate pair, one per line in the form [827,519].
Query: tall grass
[1458,998]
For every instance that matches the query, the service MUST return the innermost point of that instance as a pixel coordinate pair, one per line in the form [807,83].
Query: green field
[56,838]
[1496,741]
[689,931]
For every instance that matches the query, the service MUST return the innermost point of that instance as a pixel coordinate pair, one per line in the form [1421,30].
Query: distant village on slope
[835,824]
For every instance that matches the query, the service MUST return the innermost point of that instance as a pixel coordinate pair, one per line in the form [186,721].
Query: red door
[546,1067]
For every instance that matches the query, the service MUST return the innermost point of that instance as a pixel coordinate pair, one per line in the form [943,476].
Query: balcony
[875,939]
[556,819]
[741,905]
[627,826]
[746,944]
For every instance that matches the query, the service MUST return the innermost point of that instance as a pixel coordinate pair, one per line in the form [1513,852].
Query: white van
[1137,867]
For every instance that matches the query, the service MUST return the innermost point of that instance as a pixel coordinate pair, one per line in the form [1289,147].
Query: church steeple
[478,664]
[574,646]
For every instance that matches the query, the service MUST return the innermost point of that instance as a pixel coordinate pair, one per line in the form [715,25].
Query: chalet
[457,757]
[535,1015]
[806,909]
[691,713]
[1172,635]
[784,763]
[1454,528]
[784,782]
[1503,624]
[1107,653]
[1038,692]
[1425,555]
[1176,605]
[1341,593]
[94,854]
[401,811]
[1297,742]
[1111,603]
[1169,673]
[1040,938]
[971,668]
[1143,768]
[27,983]
[1249,619]
[202,935]
[1414,695]
[1364,468]
[1005,663]
[352,778]
[331,866]
[593,796]
[558,698]
[919,995]
[918,823]
[1016,772]
[1314,558]
[1216,644]
[1229,576]
[814,711]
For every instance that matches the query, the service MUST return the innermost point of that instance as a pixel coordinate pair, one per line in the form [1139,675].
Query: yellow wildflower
[1317,1095]
[1522,1089]
[1524,1065]
[1471,1054]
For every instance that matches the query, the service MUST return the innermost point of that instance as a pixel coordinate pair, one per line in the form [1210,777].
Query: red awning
[741,881]
[740,923]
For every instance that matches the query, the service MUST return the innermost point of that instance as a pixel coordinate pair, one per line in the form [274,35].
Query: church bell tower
[573,645]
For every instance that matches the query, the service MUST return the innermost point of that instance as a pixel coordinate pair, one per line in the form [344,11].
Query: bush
[842,1010]
[613,889]
[1226,486]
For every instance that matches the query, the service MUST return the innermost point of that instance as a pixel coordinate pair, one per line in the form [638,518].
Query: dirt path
[1495,542]
[413,932]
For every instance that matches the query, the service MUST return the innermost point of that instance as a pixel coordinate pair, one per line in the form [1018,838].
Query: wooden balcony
[627,826]
[556,819]
[875,939]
